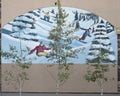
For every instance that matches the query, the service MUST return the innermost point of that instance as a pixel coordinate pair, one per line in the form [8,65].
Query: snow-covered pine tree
[100,52]
[101,43]
[76,15]
[76,20]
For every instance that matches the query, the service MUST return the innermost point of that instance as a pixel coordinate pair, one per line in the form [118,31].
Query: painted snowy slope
[32,27]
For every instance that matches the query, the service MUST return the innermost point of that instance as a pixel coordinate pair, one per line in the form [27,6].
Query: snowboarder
[86,33]
[34,21]
[40,50]
[46,16]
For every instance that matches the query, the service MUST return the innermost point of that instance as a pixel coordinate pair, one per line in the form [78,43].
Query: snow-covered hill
[32,27]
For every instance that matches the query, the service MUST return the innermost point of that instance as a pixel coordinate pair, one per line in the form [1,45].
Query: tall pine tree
[62,36]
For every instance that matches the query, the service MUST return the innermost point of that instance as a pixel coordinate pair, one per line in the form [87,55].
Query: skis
[82,41]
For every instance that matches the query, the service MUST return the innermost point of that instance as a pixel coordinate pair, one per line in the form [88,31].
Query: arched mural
[32,29]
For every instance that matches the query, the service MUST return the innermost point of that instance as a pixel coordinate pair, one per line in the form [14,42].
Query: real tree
[98,69]
[61,37]
[18,72]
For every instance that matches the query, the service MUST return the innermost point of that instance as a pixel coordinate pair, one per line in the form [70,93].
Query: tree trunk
[57,88]
[20,87]
[101,87]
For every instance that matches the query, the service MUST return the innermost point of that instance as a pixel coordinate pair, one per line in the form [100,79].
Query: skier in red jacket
[40,50]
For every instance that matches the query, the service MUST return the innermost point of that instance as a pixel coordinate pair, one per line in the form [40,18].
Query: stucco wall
[43,79]
[108,9]
[40,78]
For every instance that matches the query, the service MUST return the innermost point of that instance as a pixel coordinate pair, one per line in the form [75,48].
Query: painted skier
[34,21]
[40,50]
[46,16]
[86,33]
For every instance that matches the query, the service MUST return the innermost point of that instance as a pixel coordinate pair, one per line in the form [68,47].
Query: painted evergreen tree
[77,26]
[76,19]
[62,37]
[102,43]
[100,54]
[76,15]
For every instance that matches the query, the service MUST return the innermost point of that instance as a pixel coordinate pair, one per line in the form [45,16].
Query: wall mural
[32,29]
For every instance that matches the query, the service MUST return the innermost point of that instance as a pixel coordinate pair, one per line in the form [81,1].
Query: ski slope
[23,29]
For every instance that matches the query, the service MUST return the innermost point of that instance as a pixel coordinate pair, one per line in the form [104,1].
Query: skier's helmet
[41,43]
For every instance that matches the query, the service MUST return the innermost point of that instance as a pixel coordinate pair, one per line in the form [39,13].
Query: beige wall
[43,79]
[40,75]
[108,9]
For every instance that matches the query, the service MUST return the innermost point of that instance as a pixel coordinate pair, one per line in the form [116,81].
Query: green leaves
[25,65]
[20,64]
[11,54]
[62,36]
[98,68]
[63,76]
[96,72]
[64,73]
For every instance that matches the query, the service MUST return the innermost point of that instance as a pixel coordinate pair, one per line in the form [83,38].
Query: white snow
[41,32]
